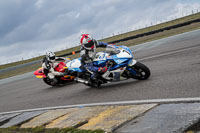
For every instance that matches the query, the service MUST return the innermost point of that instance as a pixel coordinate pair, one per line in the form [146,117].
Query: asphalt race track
[175,69]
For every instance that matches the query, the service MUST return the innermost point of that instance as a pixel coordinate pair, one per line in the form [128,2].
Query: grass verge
[44,130]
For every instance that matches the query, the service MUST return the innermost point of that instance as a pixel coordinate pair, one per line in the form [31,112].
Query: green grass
[132,42]
[44,130]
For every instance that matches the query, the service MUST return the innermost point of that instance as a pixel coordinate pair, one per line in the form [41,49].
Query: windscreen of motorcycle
[125,53]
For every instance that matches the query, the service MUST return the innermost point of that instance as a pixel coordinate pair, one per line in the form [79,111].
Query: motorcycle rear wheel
[142,71]
[49,82]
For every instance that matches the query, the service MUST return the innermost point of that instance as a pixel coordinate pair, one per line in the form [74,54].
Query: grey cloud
[13,14]
[25,21]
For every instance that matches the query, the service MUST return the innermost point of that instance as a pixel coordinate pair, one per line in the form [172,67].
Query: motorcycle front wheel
[142,71]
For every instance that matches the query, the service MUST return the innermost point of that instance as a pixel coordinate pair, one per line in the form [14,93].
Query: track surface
[174,64]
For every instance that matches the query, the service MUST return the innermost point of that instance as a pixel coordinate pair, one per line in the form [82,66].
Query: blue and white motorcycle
[120,63]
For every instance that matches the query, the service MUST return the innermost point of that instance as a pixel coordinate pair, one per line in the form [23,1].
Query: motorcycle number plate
[100,56]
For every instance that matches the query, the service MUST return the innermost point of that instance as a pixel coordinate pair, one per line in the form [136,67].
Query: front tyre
[142,71]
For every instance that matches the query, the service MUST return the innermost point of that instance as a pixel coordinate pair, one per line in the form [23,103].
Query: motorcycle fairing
[114,75]
[123,63]
[39,73]
[60,67]
[100,63]
[74,65]
[127,50]
[100,59]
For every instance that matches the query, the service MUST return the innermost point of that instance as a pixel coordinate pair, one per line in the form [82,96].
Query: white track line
[152,101]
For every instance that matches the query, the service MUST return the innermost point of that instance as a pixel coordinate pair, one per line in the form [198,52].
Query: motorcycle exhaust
[82,80]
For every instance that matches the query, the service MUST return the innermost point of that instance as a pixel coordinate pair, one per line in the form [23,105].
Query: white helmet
[50,56]
[87,42]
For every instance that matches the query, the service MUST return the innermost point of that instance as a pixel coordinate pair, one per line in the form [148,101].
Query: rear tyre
[49,81]
[142,71]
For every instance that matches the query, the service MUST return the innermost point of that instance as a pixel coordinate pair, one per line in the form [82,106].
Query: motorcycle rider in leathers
[88,53]
[49,62]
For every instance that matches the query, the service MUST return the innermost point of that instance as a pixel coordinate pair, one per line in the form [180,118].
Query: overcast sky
[31,27]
